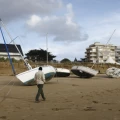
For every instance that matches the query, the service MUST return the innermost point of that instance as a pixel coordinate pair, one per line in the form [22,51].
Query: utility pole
[47,48]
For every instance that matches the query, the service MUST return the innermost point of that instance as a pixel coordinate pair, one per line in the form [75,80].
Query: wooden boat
[62,72]
[84,72]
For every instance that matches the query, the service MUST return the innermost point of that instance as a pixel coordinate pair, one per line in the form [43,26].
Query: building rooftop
[11,48]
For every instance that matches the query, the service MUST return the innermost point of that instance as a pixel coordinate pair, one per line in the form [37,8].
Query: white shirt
[39,77]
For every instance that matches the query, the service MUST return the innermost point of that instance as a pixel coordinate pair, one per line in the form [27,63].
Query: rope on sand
[8,90]
[5,85]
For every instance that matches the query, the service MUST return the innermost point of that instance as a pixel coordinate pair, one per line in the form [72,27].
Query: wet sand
[67,98]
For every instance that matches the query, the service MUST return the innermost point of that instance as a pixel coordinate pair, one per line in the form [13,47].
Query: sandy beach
[67,98]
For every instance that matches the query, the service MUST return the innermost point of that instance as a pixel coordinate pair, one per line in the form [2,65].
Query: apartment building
[117,54]
[98,53]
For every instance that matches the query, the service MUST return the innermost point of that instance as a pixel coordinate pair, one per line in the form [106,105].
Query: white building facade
[99,53]
[117,54]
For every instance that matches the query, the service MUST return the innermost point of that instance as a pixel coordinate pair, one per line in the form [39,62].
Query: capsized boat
[84,72]
[113,72]
[62,72]
[27,77]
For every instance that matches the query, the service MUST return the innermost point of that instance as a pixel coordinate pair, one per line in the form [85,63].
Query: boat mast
[105,46]
[110,37]
[8,52]
[26,63]
[47,48]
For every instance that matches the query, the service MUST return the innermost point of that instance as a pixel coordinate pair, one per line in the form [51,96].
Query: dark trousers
[40,92]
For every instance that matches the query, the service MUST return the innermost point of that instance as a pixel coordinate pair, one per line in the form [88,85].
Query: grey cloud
[13,9]
[60,30]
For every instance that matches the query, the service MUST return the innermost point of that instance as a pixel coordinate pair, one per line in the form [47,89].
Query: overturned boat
[27,77]
[113,72]
[62,72]
[84,72]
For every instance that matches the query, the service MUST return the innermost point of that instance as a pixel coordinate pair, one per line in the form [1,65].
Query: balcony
[94,55]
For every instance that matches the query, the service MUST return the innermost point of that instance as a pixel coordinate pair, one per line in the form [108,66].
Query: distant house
[12,51]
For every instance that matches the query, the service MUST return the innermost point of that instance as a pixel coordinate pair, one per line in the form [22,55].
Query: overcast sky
[69,25]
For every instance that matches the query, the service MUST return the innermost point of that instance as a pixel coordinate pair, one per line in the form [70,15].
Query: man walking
[40,80]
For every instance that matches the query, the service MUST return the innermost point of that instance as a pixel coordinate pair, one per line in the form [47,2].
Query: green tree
[65,60]
[75,60]
[39,55]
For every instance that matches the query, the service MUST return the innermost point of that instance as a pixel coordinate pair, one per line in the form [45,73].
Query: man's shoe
[37,101]
[44,99]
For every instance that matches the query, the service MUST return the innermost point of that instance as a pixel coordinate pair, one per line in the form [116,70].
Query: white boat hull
[113,72]
[62,72]
[84,72]
[27,77]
